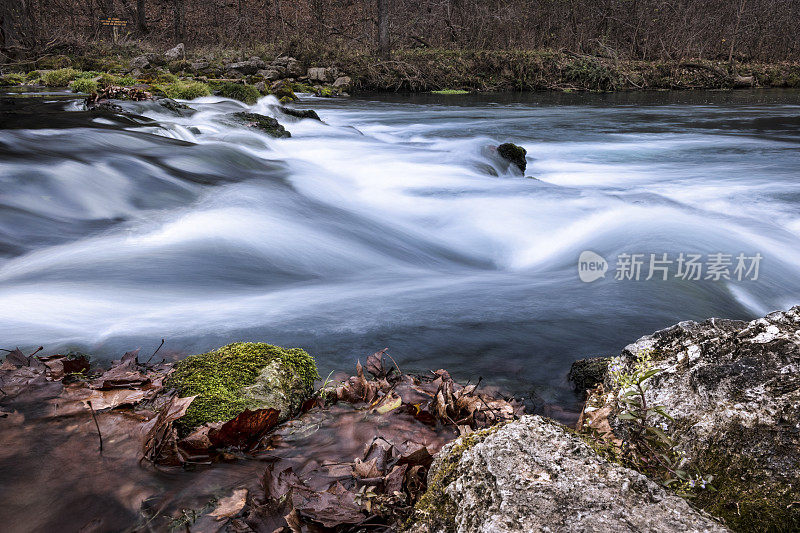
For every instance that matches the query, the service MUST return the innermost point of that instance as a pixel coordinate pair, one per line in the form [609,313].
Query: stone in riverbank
[534,475]
[243,375]
[733,389]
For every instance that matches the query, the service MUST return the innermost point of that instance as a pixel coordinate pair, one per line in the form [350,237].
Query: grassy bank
[446,70]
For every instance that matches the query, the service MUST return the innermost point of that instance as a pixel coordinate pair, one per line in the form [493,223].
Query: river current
[394,224]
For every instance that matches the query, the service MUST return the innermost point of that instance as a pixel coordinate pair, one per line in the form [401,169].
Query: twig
[395,362]
[100,436]
[154,353]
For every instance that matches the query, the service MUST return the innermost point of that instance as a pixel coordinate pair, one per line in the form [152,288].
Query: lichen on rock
[535,475]
[733,391]
[243,375]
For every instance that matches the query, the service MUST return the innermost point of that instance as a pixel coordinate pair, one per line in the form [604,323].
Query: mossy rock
[9,80]
[239,91]
[84,85]
[264,123]
[185,90]
[243,375]
[284,93]
[87,74]
[514,154]
[300,113]
[60,77]
[435,509]
[327,92]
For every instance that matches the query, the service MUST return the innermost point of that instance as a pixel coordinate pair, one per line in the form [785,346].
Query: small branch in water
[154,353]
[94,417]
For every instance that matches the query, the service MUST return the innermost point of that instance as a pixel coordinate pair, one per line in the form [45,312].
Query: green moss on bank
[435,508]
[84,85]
[748,497]
[185,90]
[239,91]
[60,77]
[219,378]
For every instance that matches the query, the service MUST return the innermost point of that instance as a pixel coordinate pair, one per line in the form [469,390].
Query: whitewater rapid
[391,223]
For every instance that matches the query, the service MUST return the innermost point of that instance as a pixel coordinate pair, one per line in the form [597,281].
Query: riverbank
[691,428]
[418,70]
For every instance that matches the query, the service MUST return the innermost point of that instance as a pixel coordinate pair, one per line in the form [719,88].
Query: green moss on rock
[60,77]
[84,85]
[435,508]
[747,497]
[11,79]
[243,375]
[186,90]
[268,125]
[514,154]
[239,91]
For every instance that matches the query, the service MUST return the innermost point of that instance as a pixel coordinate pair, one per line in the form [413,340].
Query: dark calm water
[394,225]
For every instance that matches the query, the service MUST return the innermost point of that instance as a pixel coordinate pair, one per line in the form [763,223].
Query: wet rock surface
[513,154]
[733,389]
[264,123]
[535,475]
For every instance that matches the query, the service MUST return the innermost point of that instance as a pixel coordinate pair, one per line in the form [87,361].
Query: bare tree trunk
[141,17]
[383,29]
[177,18]
[739,13]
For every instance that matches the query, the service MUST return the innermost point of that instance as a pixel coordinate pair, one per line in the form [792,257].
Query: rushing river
[393,224]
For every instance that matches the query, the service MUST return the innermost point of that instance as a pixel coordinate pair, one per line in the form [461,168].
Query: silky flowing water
[393,224]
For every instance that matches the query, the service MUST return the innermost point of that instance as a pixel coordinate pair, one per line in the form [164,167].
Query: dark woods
[745,30]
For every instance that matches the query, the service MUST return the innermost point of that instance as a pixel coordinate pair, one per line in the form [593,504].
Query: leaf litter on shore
[355,458]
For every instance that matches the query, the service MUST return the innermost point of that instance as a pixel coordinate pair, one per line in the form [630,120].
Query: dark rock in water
[732,389]
[514,154]
[586,373]
[534,475]
[172,105]
[266,124]
[300,113]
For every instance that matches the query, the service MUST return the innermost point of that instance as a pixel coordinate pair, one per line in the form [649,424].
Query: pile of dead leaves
[355,459]
[116,92]
[391,425]
[64,384]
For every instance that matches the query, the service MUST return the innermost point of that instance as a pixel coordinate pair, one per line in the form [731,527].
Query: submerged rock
[243,375]
[586,373]
[300,113]
[264,123]
[733,390]
[514,154]
[534,475]
[172,105]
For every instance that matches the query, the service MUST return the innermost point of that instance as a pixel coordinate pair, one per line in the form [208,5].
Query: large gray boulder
[175,53]
[733,390]
[317,74]
[534,475]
